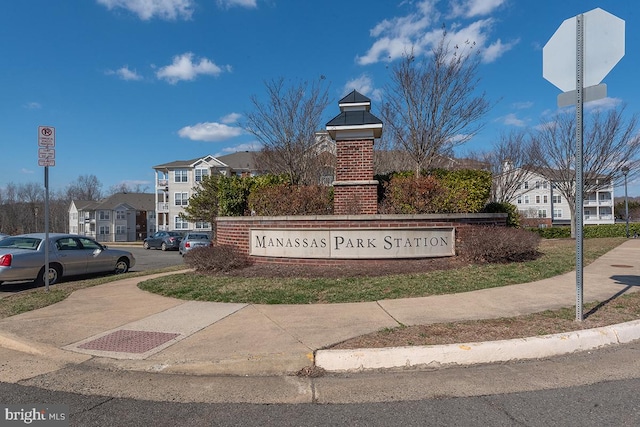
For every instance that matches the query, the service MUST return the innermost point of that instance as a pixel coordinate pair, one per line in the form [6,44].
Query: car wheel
[55,274]
[122,266]
[145,245]
[164,246]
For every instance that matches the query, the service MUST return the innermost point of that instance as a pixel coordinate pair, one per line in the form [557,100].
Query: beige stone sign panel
[353,243]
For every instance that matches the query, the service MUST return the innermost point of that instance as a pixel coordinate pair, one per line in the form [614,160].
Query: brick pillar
[355,191]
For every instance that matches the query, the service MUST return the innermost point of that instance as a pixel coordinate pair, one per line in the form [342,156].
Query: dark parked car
[194,240]
[164,240]
[22,257]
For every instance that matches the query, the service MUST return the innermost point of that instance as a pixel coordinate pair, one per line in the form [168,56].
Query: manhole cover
[621,266]
[126,341]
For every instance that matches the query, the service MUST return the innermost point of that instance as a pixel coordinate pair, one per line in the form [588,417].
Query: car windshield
[198,237]
[18,242]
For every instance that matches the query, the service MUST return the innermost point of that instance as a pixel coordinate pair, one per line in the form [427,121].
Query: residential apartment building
[176,180]
[122,217]
[538,198]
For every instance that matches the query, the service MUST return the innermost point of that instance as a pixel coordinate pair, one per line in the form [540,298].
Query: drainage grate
[125,341]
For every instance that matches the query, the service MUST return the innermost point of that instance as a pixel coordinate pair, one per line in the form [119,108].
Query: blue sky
[129,84]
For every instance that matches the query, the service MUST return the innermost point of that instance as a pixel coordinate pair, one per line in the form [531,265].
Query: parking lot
[146,259]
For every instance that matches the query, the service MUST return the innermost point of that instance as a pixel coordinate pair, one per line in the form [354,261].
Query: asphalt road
[146,259]
[601,403]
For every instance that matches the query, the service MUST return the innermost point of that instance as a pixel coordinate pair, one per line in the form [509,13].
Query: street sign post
[578,56]
[46,158]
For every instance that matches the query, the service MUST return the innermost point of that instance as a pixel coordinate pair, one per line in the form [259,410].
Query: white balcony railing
[163,182]
[163,207]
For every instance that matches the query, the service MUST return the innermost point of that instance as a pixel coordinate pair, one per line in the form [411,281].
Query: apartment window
[180,175]
[202,225]
[104,215]
[181,199]
[121,215]
[545,199]
[181,224]
[74,229]
[200,174]
[537,185]
[545,185]
[526,199]
[519,200]
[74,216]
[538,200]
[542,213]
[121,229]
[103,230]
[525,185]
[557,213]
[556,198]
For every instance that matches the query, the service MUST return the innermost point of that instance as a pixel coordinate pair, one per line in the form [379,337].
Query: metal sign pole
[46,228]
[579,161]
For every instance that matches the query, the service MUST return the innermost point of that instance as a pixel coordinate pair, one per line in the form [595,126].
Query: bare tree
[286,125]
[124,187]
[610,142]
[432,104]
[508,161]
[87,187]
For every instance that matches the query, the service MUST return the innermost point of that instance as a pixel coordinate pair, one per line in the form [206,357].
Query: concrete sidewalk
[117,326]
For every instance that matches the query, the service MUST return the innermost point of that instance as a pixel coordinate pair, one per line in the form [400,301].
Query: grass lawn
[558,257]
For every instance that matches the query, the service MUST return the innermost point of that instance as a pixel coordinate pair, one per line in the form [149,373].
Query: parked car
[3,236]
[164,240]
[194,240]
[22,257]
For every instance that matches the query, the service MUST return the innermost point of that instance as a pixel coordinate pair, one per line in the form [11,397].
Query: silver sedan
[22,257]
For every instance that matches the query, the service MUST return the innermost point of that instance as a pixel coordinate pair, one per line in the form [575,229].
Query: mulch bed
[352,269]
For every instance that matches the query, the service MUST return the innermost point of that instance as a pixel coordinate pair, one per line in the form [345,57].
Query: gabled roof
[137,201]
[241,160]
[176,164]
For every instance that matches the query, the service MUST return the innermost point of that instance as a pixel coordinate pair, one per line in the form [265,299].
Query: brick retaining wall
[235,230]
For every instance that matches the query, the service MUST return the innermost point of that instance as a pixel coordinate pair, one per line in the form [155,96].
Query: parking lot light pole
[625,171]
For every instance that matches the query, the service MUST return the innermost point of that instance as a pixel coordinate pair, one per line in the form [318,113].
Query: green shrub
[440,191]
[218,258]
[589,231]
[498,244]
[513,218]
[284,199]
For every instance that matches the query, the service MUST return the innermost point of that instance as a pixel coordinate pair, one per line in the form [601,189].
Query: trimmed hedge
[590,231]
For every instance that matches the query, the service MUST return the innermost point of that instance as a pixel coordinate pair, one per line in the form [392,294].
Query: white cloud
[210,132]
[27,171]
[364,85]
[419,31]
[248,4]
[185,68]
[247,146]
[603,104]
[522,105]
[125,73]
[147,9]
[496,49]
[231,118]
[473,8]
[33,106]
[512,120]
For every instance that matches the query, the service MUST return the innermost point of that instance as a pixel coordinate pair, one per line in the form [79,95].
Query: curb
[477,352]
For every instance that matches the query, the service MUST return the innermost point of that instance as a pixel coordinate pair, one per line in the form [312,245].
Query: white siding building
[122,217]
[176,180]
[538,198]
